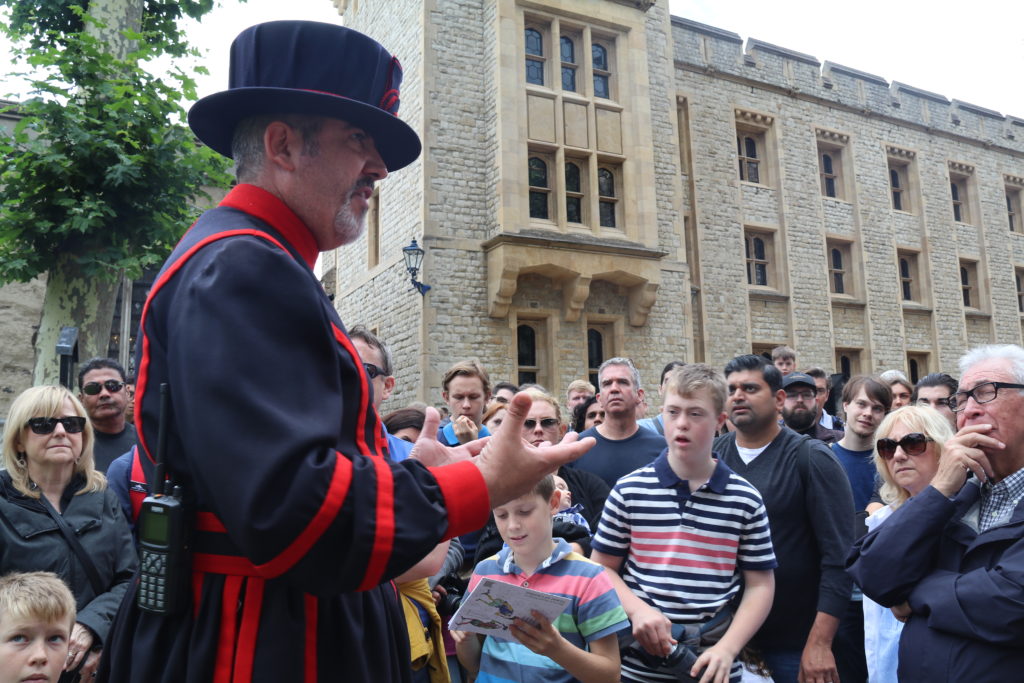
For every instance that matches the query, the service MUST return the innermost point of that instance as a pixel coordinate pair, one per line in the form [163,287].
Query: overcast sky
[972,52]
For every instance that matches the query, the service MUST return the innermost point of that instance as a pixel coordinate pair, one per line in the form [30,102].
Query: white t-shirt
[747,455]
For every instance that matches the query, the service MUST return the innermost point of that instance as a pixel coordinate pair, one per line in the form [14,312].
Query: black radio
[164,537]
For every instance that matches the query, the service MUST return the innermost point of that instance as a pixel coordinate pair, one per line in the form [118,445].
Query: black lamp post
[413,255]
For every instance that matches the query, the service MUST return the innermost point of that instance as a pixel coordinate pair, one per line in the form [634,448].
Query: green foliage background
[101,167]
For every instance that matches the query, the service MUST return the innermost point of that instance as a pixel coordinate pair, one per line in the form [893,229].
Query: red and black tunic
[302,520]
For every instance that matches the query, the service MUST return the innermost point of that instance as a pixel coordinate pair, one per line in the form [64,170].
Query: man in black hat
[300,517]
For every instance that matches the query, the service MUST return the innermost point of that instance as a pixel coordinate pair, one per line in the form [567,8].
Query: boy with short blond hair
[784,358]
[683,535]
[37,612]
[581,645]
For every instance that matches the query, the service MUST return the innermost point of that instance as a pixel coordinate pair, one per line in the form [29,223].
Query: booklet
[492,607]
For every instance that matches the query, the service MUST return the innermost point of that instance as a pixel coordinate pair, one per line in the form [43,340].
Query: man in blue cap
[299,517]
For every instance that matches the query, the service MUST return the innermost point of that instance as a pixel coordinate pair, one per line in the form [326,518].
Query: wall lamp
[413,255]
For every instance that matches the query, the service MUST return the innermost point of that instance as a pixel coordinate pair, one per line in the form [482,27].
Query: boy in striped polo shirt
[581,645]
[683,534]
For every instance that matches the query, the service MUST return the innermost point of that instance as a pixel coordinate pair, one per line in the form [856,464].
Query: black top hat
[307,67]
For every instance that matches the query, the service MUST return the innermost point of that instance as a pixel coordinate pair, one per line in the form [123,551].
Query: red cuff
[465,497]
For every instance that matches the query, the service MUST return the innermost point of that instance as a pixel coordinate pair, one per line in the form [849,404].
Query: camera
[677,663]
[450,601]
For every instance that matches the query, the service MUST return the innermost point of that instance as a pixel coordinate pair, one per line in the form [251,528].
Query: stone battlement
[712,50]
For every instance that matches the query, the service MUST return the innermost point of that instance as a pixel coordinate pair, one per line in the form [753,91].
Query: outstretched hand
[432,452]
[511,466]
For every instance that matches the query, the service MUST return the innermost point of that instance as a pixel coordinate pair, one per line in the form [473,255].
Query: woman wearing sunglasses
[50,493]
[907,450]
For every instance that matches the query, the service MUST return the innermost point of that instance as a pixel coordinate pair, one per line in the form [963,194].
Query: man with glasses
[950,561]
[800,411]
[934,391]
[103,393]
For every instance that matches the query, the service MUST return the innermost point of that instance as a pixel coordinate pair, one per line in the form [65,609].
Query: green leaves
[101,166]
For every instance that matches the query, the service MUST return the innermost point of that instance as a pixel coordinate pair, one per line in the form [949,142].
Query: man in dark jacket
[300,519]
[951,559]
[810,512]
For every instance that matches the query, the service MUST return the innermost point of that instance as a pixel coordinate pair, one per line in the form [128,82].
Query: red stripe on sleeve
[384,526]
[309,658]
[248,630]
[334,498]
[226,643]
[465,497]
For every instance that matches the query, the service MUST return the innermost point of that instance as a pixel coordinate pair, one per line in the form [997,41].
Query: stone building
[601,178]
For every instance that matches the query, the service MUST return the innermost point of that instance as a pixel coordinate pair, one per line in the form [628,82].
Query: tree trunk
[118,15]
[73,299]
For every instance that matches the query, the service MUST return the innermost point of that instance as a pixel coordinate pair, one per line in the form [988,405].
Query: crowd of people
[733,525]
[740,532]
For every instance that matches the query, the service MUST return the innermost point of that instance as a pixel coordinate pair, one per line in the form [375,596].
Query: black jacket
[31,541]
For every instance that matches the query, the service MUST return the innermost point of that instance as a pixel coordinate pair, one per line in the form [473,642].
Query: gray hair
[1010,352]
[247,140]
[620,361]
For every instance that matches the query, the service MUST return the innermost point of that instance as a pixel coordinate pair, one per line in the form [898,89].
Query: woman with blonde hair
[908,446]
[57,515]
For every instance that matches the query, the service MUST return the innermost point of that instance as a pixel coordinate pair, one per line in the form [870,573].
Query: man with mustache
[103,392]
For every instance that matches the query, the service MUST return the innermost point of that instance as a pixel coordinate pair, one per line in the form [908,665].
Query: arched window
[539,189]
[606,197]
[757,261]
[965,285]
[958,205]
[897,189]
[526,349]
[828,176]
[573,193]
[568,54]
[746,147]
[906,281]
[602,72]
[534,56]
[914,371]
[837,272]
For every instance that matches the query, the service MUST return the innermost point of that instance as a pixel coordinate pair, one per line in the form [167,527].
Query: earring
[21,459]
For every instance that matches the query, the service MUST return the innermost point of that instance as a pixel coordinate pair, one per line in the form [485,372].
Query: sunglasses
[374,371]
[912,444]
[546,423]
[111,385]
[46,425]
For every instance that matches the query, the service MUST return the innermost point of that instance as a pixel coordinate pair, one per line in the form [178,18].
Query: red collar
[257,202]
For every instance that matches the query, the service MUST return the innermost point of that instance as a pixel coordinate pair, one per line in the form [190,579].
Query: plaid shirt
[999,500]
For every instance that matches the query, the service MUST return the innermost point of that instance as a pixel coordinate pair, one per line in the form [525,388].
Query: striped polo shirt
[684,551]
[594,611]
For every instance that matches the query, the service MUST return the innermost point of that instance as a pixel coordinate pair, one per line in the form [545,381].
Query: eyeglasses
[915,443]
[111,385]
[546,423]
[46,425]
[801,395]
[983,393]
[374,371]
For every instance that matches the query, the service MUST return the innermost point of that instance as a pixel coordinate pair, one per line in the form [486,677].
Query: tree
[101,175]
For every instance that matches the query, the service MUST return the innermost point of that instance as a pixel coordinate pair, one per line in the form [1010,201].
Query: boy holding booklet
[581,645]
